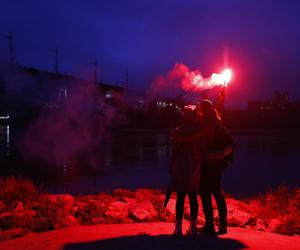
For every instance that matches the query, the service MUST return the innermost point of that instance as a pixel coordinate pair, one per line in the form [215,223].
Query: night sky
[259,40]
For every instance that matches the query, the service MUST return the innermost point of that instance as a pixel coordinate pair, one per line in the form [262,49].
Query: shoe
[222,230]
[178,228]
[192,231]
[207,229]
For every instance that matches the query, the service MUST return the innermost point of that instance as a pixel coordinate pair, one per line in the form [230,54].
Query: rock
[86,198]
[254,204]
[5,215]
[143,194]
[18,206]
[232,203]
[30,213]
[127,220]
[200,220]
[81,205]
[65,199]
[106,199]
[36,205]
[7,220]
[2,205]
[131,202]
[96,208]
[171,207]
[70,220]
[98,221]
[238,218]
[144,211]
[26,214]
[11,233]
[117,210]
[260,225]
[273,225]
[123,193]
[238,213]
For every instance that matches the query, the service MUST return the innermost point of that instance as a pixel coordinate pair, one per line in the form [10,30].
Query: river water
[140,158]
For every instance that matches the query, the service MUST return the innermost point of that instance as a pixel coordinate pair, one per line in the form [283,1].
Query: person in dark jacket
[212,170]
[185,167]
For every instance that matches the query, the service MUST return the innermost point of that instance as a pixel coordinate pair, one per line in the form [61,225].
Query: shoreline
[23,209]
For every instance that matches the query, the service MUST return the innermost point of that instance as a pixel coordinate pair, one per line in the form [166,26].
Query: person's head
[208,113]
[190,114]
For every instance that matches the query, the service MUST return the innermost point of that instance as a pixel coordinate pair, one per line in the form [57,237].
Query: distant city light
[4,117]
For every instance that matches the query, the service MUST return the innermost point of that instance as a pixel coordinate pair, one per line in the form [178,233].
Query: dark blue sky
[260,38]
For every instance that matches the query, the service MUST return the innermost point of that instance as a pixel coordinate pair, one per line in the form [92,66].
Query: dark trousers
[180,205]
[211,186]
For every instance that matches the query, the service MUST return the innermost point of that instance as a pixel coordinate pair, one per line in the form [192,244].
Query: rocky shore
[44,212]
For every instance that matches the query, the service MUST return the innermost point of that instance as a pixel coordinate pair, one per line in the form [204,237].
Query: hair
[211,115]
[190,113]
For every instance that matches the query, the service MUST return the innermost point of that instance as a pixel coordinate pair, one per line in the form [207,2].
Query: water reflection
[141,158]
[5,141]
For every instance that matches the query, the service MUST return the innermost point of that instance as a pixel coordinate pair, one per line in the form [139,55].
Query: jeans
[180,205]
[211,186]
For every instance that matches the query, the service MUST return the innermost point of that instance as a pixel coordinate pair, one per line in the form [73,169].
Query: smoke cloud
[182,79]
[64,120]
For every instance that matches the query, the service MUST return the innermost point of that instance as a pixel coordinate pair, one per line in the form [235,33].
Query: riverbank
[24,210]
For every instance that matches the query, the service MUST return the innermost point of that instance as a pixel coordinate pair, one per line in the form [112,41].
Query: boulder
[232,203]
[96,208]
[86,198]
[131,202]
[98,220]
[127,220]
[30,213]
[144,211]
[200,220]
[119,192]
[260,225]
[238,218]
[52,198]
[7,220]
[70,220]
[117,210]
[273,225]
[65,199]
[171,207]
[24,214]
[238,213]
[2,205]
[5,215]
[106,199]
[80,205]
[143,194]
[18,206]
[11,233]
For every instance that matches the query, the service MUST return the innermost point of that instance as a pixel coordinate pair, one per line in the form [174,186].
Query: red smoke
[181,77]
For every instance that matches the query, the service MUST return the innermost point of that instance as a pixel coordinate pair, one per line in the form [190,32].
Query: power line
[11,47]
[56,60]
[95,64]
[126,79]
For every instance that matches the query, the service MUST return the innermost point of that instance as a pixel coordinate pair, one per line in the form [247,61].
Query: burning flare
[221,79]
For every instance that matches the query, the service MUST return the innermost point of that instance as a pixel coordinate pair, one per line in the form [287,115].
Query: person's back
[211,171]
[186,160]
[185,168]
